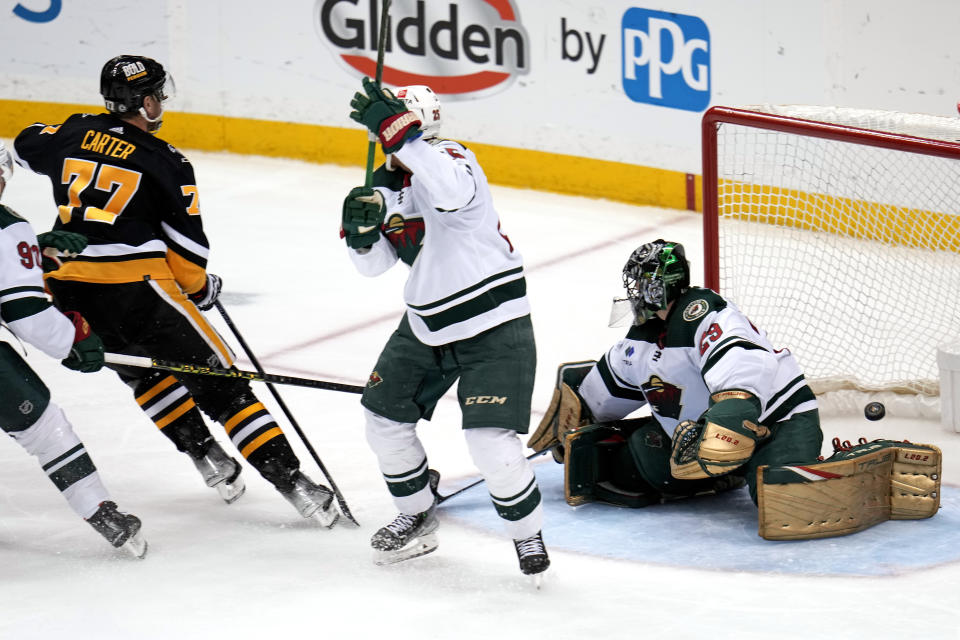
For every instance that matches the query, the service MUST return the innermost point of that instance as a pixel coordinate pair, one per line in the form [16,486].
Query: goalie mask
[425,105]
[126,80]
[654,276]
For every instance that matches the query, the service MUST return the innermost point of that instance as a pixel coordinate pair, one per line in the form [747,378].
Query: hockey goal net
[838,232]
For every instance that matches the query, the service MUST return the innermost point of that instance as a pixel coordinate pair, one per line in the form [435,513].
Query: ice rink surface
[254,569]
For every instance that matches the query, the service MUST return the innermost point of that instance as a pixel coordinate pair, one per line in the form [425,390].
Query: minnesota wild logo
[404,233]
[374,379]
[406,236]
[695,309]
[663,397]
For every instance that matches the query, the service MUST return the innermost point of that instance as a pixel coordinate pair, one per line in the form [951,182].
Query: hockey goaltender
[728,409]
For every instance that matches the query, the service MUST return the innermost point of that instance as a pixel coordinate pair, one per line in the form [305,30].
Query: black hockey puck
[874,411]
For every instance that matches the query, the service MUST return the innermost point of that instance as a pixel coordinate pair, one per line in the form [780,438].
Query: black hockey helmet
[126,80]
[655,275]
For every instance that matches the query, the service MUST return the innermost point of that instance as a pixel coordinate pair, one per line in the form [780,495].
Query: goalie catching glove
[385,116]
[363,213]
[723,439]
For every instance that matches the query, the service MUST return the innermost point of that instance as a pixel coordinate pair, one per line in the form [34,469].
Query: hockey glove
[54,242]
[207,296]
[363,213]
[385,116]
[86,355]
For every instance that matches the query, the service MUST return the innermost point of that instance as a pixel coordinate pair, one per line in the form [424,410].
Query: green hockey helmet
[655,275]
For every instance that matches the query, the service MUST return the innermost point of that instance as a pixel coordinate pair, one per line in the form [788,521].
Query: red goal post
[838,232]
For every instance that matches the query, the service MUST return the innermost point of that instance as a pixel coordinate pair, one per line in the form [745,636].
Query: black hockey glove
[207,296]
[86,355]
[363,213]
[66,242]
[385,116]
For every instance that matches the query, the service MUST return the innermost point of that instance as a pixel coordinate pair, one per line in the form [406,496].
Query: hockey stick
[194,369]
[344,509]
[443,498]
[381,46]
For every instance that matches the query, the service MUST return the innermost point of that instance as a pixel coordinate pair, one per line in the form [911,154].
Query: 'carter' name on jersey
[104,143]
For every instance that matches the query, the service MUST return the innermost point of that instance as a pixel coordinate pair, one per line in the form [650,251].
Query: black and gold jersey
[131,194]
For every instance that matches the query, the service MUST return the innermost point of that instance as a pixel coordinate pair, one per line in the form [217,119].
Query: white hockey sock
[402,461]
[498,454]
[65,460]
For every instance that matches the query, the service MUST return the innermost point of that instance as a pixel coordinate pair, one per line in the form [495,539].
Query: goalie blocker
[565,411]
[855,488]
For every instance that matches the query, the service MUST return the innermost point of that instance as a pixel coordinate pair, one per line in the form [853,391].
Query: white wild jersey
[705,345]
[465,275]
[24,306]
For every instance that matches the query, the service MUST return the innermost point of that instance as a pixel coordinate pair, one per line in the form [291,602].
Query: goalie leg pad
[565,410]
[852,490]
[586,471]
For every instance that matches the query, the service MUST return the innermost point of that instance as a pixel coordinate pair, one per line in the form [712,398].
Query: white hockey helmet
[425,104]
[6,163]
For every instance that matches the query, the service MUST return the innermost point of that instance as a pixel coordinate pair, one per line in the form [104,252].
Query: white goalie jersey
[24,306]
[705,345]
[465,275]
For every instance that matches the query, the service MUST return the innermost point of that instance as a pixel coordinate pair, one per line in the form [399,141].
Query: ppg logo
[666,59]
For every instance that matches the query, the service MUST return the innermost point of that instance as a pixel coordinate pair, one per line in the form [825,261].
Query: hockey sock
[260,440]
[498,454]
[65,460]
[171,407]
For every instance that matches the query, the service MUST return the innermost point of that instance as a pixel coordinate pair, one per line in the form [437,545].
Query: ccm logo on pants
[486,400]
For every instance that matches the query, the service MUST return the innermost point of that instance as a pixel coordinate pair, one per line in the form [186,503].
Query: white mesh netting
[847,254]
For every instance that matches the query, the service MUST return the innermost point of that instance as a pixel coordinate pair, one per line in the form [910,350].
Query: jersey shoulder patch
[8,216]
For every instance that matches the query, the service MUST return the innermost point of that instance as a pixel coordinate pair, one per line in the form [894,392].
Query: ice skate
[406,537]
[728,482]
[122,530]
[533,557]
[221,472]
[312,500]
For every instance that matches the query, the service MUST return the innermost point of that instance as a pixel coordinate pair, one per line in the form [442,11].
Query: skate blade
[231,492]
[136,545]
[537,580]
[419,547]
[327,518]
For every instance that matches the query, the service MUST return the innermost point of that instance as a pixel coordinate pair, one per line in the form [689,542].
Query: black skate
[533,557]
[312,500]
[406,537]
[728,482]
[122,530]
[221,472]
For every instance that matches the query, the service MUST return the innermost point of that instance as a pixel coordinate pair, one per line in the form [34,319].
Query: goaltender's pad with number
[856,488]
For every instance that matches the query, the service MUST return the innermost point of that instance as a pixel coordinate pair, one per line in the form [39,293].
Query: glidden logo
[459,47]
